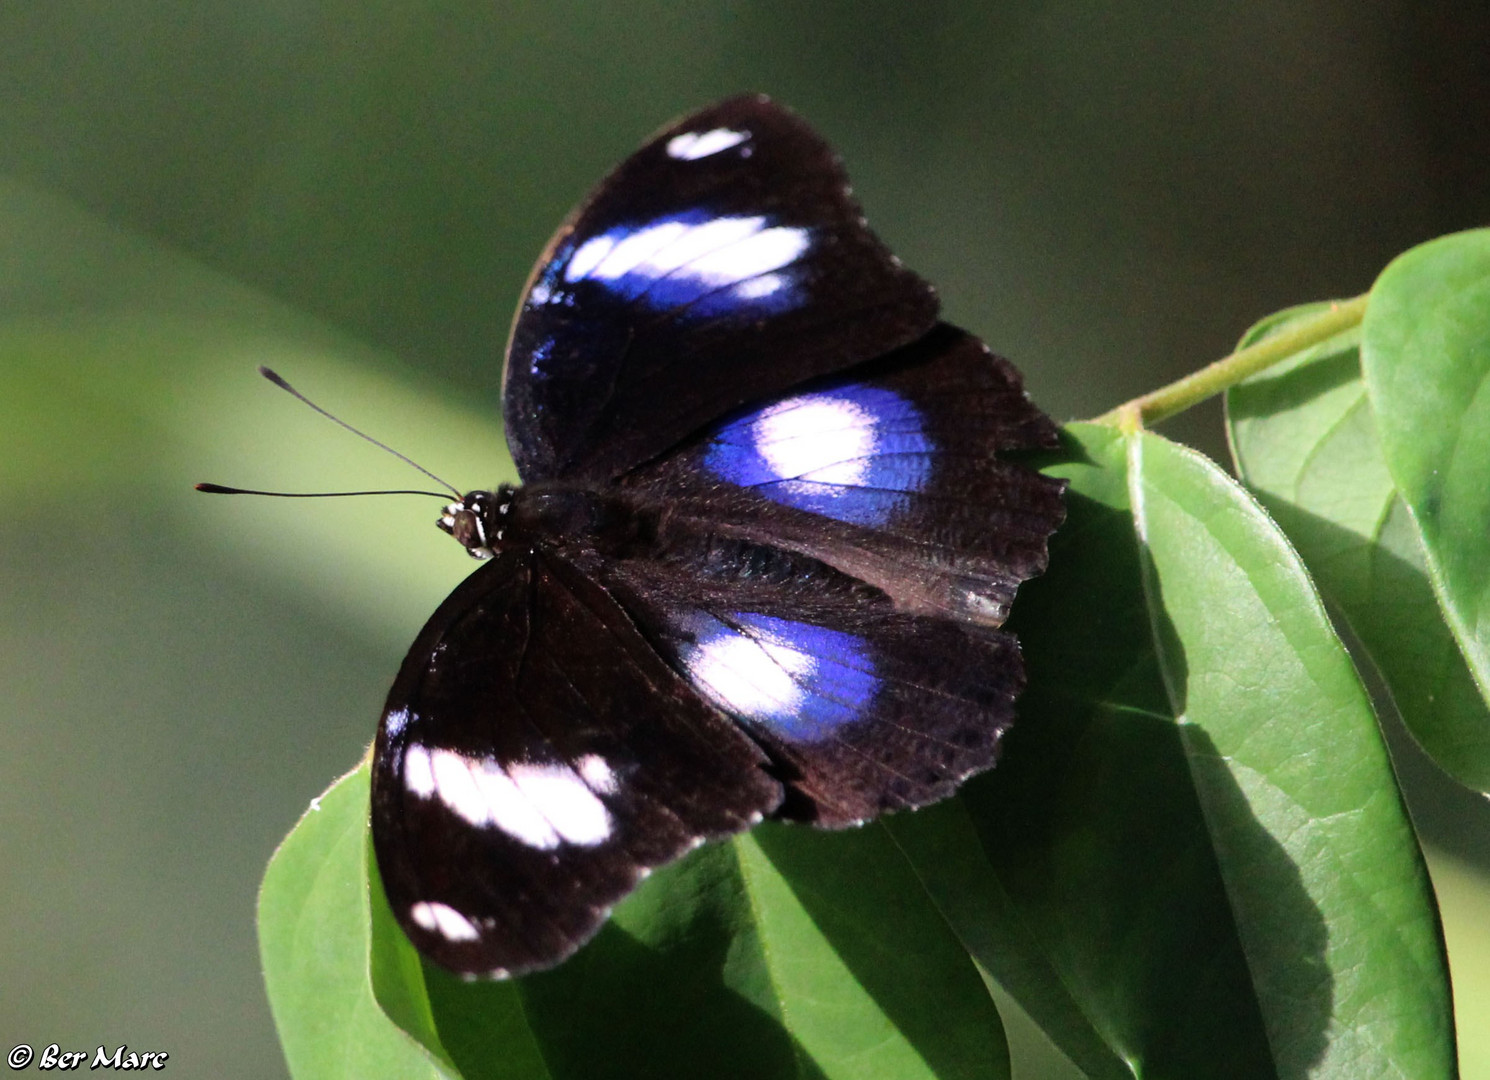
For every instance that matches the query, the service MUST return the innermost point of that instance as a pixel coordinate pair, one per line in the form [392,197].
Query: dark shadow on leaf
[867,902]
[1286,936]
[1068,452]
[1093,822]
[621,1007]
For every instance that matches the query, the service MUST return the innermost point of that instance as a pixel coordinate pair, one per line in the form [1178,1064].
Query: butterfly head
[476,521]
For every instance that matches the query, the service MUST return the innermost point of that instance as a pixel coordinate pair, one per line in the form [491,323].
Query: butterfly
[757,568]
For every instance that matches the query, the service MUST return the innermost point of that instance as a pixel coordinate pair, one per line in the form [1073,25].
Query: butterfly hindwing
[894,473]
[862,709]
[536,757]
[723,262]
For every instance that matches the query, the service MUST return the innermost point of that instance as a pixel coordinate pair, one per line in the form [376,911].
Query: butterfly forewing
[894,473]
[723,262]
[537,756]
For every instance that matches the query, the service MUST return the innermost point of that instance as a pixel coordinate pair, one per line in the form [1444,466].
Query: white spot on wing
[718,252]
[827,438]
[692,145]
[754,678]
[419,776]
[638,249]
[541,806]
[509,808]
[759,252]
[725,250]
[684,244]
[756,287]
[444,920]
[457,787]
[561,796]
[588,257]
[597,774]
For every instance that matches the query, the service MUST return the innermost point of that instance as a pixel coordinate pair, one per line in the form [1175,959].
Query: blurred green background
[353,193]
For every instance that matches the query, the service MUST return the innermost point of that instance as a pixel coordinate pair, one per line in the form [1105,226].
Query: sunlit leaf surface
[1425,354]
[1304,440]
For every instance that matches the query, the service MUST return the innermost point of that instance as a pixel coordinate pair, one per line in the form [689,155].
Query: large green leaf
[1425,353]
[1195,819]
[313,938]
[787,952]
[1303,436]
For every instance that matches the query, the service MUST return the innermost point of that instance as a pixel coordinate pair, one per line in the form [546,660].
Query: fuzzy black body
[767,537]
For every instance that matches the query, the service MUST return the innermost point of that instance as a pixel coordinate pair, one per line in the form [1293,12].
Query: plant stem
[1210,380]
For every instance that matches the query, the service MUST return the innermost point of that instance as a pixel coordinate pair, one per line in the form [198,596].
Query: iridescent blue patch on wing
[855,453]
[707,264]
[800,681]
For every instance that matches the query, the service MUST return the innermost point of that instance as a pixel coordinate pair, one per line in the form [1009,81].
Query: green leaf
[958,873]
[1303,437]
[1425,354]
[1195,817]
[786,952]
[797,953]
[313,939]
[845,923]
[399,981]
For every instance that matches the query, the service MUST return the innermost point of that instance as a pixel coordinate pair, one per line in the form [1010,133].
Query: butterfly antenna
[219,489]
[278,381]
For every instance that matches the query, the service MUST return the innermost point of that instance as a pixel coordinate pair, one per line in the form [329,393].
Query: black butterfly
[757,568]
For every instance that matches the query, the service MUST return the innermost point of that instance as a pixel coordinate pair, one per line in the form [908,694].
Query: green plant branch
[1210,380]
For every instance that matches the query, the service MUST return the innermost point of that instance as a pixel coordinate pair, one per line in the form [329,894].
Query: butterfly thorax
[558,514]
[615,524]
